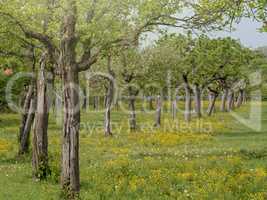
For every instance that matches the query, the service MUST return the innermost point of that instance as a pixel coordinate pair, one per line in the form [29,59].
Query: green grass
[215,158]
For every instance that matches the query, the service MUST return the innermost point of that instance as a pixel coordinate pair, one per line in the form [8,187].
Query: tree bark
[51,99]
[188,100]
[132,120]
[198,101]
[133,125]
[26,121]
[230,101]
[28,111]
[70,173]
[224,100]
[40,137]
[244,97]
[96,102]
[87,96]
[174,109]
[150,100]
[212,100]
[25,136]
[59,105]
[109,100]
[158,112]
[240,98]
[117,104]
[70,178]
[108,112]
[84,106]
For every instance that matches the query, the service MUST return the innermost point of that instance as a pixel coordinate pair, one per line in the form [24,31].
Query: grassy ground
[214,158]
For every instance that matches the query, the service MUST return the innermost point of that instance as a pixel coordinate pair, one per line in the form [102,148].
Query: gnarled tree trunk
[27,121]
[40,137]
[70,178]
[70,173]
[28,112]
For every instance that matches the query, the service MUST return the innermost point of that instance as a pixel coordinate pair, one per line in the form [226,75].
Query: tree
[170,55]
[78,44]
[130,73]
[40,138]
[104,75]
[22,51]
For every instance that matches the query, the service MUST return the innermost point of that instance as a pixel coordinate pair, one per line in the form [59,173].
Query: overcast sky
[247,32]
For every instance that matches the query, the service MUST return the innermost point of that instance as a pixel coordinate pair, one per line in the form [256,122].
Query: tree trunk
[40,137]
[109,100]
[132,115]
[132,120]
[230,101]
[244,97]
[25,136]
[84,106]
[224,100]
[198,101]
[212,100]
[70,178]
[233,102]
[174,109]
[70,173]
[117,104]
[87,96]
[150,100]
[188,100]
[28,113]
[240,99]
[51,99]
[96,102]
[26,121]
[58,105]
[158,112]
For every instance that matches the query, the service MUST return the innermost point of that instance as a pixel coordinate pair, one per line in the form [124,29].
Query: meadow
[212,158]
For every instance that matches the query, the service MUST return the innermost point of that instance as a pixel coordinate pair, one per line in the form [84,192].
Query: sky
[247,31]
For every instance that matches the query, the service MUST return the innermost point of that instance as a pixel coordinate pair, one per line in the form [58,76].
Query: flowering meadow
[222,160]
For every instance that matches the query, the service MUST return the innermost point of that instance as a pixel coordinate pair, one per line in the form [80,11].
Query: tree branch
[44,39]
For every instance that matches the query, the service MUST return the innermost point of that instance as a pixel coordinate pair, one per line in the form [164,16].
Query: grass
[213,158]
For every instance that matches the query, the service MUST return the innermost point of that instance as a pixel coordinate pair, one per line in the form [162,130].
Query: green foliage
[223,13]
[218,63]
